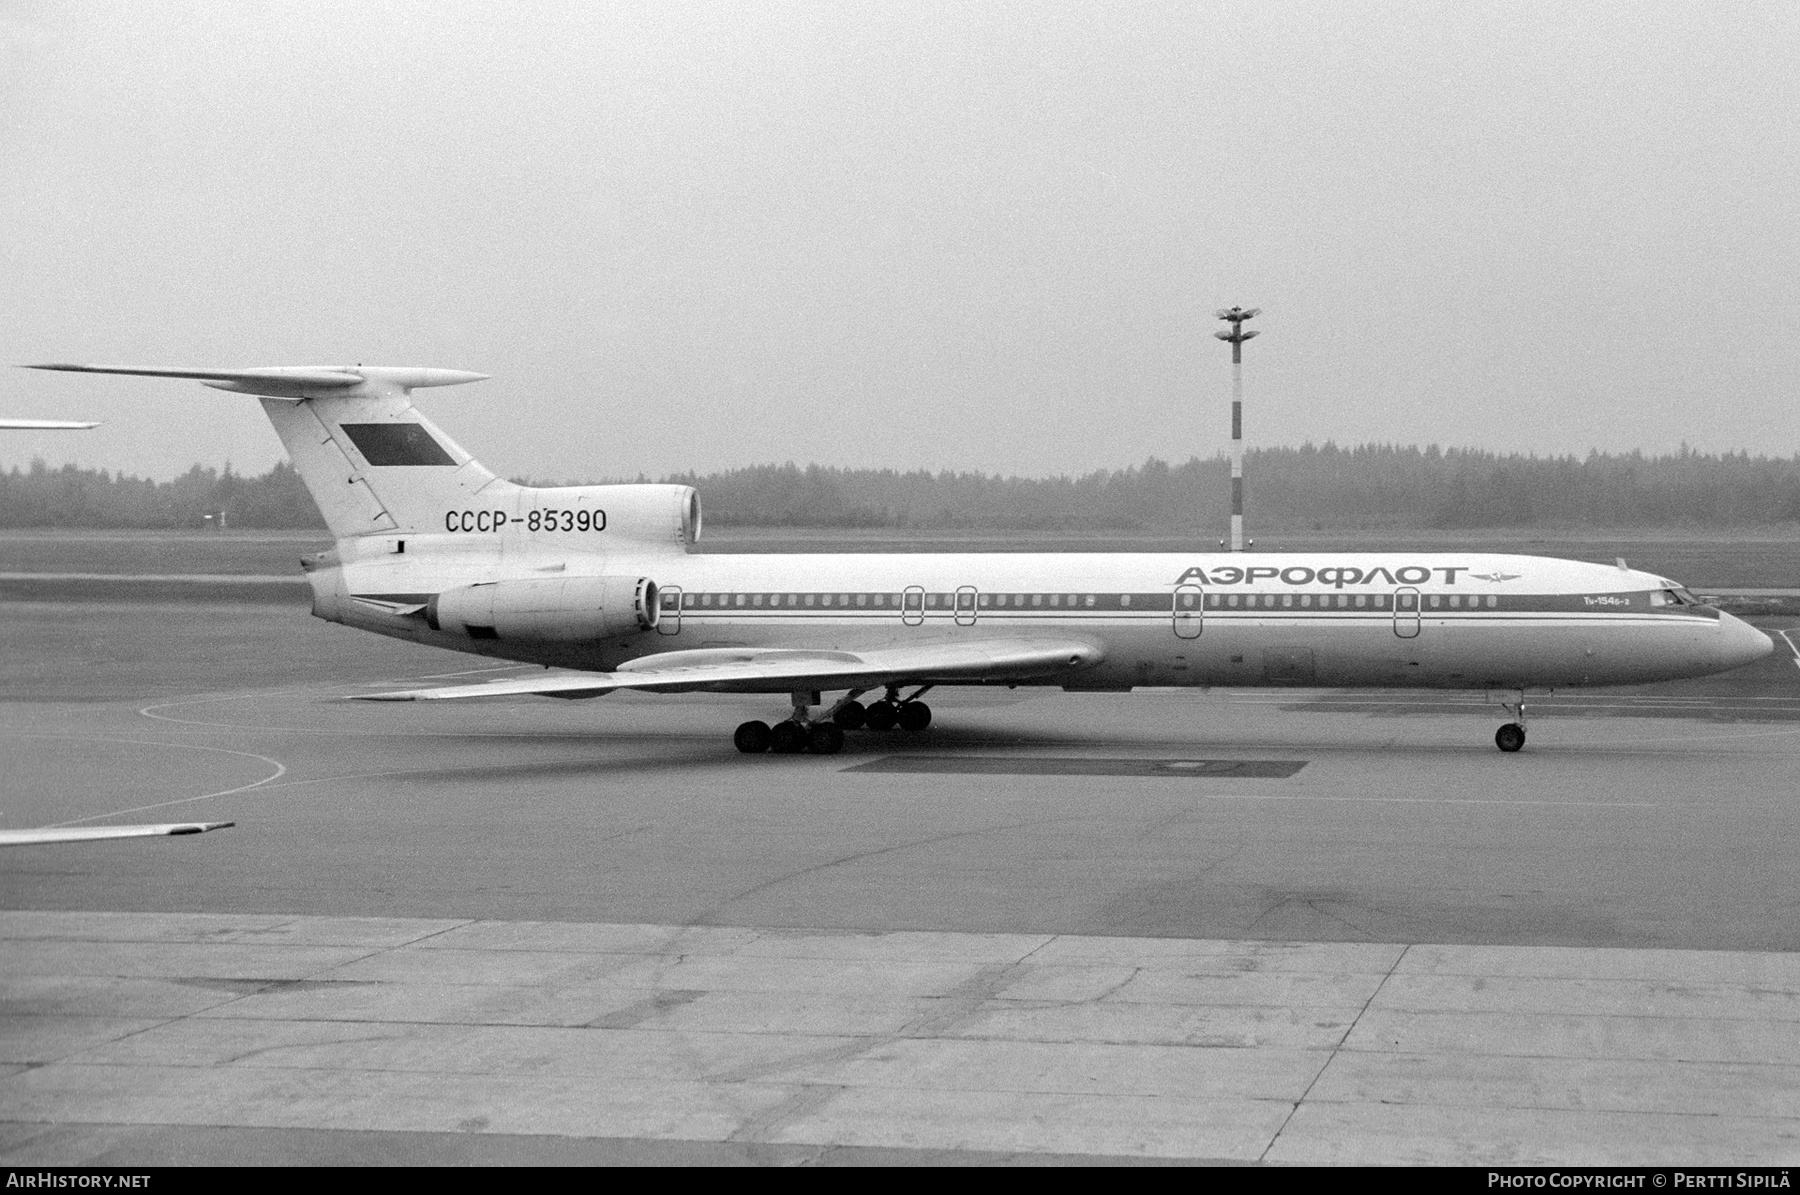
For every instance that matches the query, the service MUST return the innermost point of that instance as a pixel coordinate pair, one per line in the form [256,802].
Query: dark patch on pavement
[1237,769]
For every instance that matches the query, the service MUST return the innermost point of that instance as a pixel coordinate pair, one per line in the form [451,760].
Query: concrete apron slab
[123,1032]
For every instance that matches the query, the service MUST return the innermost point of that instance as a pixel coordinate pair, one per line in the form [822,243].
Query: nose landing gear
[1512,736]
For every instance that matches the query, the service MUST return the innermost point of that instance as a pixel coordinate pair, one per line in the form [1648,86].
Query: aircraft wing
[777,670]
[95,833]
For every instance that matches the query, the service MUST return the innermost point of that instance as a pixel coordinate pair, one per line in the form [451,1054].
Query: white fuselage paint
[1337,619]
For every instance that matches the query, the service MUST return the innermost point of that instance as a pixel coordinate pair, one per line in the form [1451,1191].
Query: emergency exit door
[1406,612]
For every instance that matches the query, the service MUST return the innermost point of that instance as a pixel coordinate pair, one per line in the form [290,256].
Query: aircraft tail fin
[372,462]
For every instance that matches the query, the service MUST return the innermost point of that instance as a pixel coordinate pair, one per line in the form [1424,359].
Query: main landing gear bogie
[881,715]
[825,736]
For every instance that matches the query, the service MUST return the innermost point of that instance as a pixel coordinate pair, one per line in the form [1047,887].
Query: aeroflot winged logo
[1335,575]
[1495,577]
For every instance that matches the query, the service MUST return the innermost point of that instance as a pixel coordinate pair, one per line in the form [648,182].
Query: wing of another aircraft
[46,425]
[775,670]
[95,833]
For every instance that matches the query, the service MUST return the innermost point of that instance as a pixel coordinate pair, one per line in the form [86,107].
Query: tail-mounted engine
[547,610]
[652,515]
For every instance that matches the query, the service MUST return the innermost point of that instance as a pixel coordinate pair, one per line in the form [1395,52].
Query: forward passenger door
[1188,609]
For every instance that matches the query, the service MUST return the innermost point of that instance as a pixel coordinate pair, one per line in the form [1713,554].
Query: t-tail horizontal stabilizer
[296,381]
[371,461]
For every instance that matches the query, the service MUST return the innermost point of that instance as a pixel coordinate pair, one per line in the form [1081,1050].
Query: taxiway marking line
[1791,647]
[857,768]
[278,773]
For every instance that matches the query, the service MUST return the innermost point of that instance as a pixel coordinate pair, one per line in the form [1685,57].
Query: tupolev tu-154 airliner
[599,582]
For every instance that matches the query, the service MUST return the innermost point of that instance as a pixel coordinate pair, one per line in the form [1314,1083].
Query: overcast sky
[944,235]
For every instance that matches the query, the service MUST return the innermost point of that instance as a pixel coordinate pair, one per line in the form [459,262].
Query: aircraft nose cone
[1740,643]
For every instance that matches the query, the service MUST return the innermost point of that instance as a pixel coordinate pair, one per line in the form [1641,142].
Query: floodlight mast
[1236,316]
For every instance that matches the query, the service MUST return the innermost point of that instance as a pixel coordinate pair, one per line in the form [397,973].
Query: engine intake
[547,609]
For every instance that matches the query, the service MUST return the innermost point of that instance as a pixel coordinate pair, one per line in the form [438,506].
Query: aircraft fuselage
[1335,619]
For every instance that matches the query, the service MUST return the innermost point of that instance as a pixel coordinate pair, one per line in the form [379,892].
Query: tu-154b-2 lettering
[599,582]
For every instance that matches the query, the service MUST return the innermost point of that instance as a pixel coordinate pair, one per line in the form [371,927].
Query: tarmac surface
[1223,926]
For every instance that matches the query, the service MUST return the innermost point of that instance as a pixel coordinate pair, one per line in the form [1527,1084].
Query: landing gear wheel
[753,738]
[913,715]
[825,738]
[851,715]
[1510,737]
[881,715]
[787,738]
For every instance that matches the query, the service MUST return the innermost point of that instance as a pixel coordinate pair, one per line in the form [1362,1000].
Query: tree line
[1372,486]
[74,497]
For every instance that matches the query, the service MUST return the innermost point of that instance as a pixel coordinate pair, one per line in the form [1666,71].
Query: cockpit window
[1674,596]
